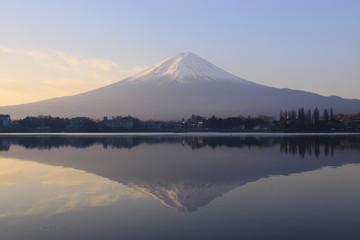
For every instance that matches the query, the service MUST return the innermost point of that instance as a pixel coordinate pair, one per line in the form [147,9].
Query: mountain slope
[178,87]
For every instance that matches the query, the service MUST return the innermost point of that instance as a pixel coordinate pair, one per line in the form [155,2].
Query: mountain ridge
[178,87]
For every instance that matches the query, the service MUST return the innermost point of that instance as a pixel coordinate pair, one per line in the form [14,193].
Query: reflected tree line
[294,145]
[310,146]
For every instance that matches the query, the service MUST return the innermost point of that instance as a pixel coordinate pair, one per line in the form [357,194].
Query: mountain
[179,86]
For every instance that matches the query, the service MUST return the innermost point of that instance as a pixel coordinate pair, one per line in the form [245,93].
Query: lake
[180,186]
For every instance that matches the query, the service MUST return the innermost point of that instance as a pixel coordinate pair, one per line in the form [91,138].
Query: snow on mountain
[183,68]
[184,196]
[178,87]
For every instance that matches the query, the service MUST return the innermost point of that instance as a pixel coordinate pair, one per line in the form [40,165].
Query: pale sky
[57,48]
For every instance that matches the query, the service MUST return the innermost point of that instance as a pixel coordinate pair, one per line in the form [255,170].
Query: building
[169,125]
[5,120]
[78,122]
[354,122]
[125,123]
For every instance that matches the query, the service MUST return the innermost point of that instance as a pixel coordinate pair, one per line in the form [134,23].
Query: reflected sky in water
[178,187]
[53,189]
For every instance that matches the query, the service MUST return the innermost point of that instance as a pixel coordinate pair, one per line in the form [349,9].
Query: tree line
[230,123]
[301,120]
[307,120]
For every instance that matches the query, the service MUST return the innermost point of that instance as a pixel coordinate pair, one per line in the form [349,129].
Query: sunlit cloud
[36,55]
[81,62]
[30,75]
[65,61]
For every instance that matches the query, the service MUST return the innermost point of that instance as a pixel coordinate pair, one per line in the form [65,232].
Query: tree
[316,116]
[301,118]
[331,115]
[195,119]
[212,122]
[308,118]
[282,119]
[326,115]
[286,119]
[292,119]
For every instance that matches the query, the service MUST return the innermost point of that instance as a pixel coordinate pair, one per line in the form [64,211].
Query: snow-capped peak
[184,68]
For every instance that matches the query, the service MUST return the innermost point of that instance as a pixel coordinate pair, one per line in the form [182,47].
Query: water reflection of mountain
[169,169]
[300,145]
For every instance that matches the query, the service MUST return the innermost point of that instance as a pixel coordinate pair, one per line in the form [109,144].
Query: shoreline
[221,134]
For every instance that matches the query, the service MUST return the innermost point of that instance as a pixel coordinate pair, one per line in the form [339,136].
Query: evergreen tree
[308,117]
[286,119]
[301,118]
[316,116]
[331,115]
[292,119]
[281,118]
[326,115]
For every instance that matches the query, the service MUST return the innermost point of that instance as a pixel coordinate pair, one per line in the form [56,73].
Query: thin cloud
[55,74]
[68,61]
[79,62]
[35,55]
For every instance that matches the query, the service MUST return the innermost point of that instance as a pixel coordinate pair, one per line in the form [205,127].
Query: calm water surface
[179,187]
